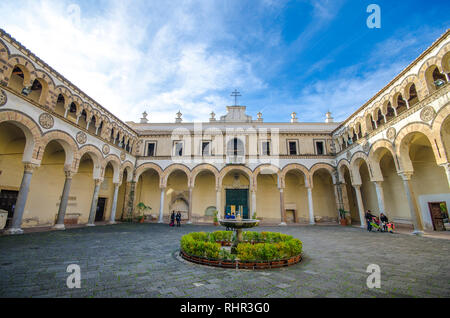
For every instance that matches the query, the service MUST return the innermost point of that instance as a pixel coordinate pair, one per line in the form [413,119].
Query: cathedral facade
[64,159]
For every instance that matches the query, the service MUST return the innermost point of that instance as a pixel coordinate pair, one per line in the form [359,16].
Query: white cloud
[148,56]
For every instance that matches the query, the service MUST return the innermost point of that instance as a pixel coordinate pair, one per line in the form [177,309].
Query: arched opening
[438,78]
[36,91]
[16,81]
[395,200]
[445,135]
[82,189]
[324,199]
[204,197]
[72,115]
[100,128]
[413,97]
[268,198]
[401,105]
[380,120]
[82,121]
[236,195]
[429,180]
[59,107]
[12,147]
[359,130]
[148,192]
[295,197]
[390,112]
[368,191]
[47,182]
[177,195]
[351,197]
[92,125]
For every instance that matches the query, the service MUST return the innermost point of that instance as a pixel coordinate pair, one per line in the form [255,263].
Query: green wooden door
[237,197]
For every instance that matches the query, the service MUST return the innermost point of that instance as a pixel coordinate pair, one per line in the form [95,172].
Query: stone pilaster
[112,218]
[380,196]
[310,206]
[64,200]
[190,206]
[357,188]
[16,224]
[94,202]
[282,209]
[415,217]
[446,166]
[161,206]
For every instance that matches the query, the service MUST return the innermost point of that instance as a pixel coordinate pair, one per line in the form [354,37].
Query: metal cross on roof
[235,94]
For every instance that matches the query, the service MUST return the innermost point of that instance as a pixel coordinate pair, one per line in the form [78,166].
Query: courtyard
[140,260]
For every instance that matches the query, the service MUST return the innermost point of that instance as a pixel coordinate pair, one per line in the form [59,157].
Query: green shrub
[269,246]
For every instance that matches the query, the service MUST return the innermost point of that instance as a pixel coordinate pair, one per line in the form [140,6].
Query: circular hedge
[268,249]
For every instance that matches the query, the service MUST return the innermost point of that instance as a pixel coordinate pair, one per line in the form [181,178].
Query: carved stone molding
[46,121]
[122,155]
[366,147]
[349,155]
[427,113]
[3,98]
[391,133]
[105,149]
[81,137]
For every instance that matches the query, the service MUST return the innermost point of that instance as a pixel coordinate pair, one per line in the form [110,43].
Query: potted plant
[216,219]
[342,214]
[141,207]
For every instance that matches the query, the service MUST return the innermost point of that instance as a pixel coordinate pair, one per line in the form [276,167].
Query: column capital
[29,167]
[98,181]
[446,165]
[356,186]
[406,175]
[69,174]
[117,184]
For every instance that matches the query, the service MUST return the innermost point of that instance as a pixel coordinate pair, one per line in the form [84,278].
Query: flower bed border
[242,264]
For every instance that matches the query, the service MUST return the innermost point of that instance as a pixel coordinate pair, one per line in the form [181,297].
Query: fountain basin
[239,224]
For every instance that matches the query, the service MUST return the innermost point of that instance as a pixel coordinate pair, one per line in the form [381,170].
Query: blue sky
[283,56]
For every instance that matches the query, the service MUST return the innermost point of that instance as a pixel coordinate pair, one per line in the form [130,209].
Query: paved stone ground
[138,260]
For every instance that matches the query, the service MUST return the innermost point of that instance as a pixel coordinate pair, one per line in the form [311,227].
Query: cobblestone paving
[138,260]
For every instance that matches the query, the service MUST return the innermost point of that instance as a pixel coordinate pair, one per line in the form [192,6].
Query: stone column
[407,103]
[446,166]
[310,206]
[447,76]
[344,195]
[65,113]
[253,202]
[357,188]
[219,204]
[15,227]
[380,196]
[415,217]
[112,218]
[64,199]
[190,206]
[161,206]
[282,209]
[94,202]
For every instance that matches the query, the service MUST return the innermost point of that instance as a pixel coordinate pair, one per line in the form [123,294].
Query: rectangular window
[293,148]
[178,148]
[206,148]
[320,147]
[265,148]
[151,147]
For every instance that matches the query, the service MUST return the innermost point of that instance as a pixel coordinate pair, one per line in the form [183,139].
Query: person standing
[178,217]
[368,217]
[172,219]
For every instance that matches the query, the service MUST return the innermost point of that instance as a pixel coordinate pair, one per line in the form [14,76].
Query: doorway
[8,200]
[99,214]
[439,215]
[237,198]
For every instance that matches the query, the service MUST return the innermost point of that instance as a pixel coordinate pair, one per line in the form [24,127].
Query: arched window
[380,120]
[413,98]
[390,112]
[438,78]
[59,107]
[36,91]
[401,105]
[16,80]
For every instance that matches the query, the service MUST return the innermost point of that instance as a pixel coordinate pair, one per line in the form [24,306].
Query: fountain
[238,224]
